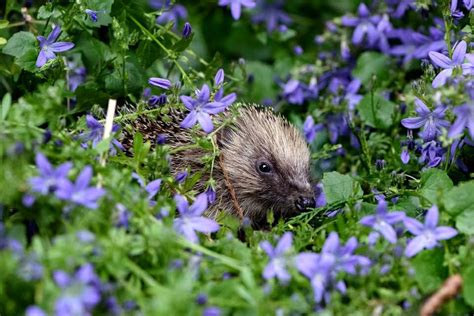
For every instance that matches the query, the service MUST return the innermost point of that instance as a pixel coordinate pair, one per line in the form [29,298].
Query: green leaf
[3,41]
[468,285]
[376,111]
[429,270]
[19,44]
[465,222]
[433,183]
[460,198]
[338,187]
[3,24]
[371,64]
[6,103]
[261,87]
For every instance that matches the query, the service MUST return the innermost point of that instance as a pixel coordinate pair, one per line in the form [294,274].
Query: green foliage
[429,270]
[338,187]
[376,111]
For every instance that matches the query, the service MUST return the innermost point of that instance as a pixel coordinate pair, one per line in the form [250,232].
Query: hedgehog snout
[303,203]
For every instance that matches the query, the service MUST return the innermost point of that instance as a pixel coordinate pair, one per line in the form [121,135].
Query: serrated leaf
[429,270]
[19,44]
[459,198]
[468,285]
[376,111]
[338,187]
[433,183]
[465,222]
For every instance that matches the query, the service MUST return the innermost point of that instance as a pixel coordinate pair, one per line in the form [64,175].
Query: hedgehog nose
[304,202]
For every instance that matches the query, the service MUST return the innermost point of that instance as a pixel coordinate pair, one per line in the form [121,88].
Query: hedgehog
[263,163]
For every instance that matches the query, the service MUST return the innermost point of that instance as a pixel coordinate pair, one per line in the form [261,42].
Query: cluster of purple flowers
[426,235]
[55,181]
[322,269]
[202,107]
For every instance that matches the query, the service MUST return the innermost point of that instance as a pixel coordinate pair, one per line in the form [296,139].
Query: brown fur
[255,136]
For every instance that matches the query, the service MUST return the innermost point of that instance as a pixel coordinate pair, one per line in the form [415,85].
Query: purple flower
[317,268]
[92,14]
[382,221]
[271,14]
[190,219]
[456,7]
[181,176]
[160,82]
[96,133]
[48,46]
[405,156]
[296,92]
[187,30]
[219,78]
[77,75]
[50,179]
[201,108]
[448,64]
[432,153]
[156,100]
[365,26]
[427,234]
[417,45]
[172,14]
[236,6]
[122,216]
[79,192]
[344,259]
[211,195]
[310,129]
[80,293]
[34,311]
[351,96]
[277,265]
[464,118]
[432,122]
[211,311]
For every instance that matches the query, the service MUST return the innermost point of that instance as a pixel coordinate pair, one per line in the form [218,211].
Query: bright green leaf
[465,222]
[433,183]
[3,24]
[460,198]
[468,285]
[6,103]
[371,64]
[376,111]
[338,187]
[429,270]
[19,44]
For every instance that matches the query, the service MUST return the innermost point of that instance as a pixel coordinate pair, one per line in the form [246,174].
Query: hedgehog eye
[264,167]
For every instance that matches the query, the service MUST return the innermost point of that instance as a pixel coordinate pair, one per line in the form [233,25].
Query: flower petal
[61,46]
[459,53]
[445,232]
[190,120]
[415,246]
[431,219]
[441,78]
[205,121]
[440,60]
[284,243]
[199,205]
[204,225]
[268,248]
[413,226]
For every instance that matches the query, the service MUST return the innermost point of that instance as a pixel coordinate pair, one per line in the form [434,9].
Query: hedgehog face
[267,160]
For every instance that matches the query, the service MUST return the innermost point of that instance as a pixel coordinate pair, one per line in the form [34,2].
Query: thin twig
[450,288]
